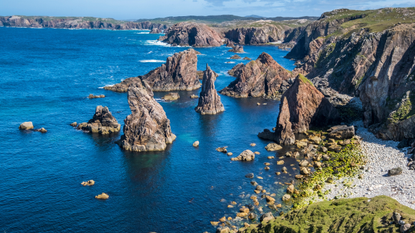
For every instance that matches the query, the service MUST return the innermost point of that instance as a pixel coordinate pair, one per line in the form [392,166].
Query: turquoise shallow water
[45,77]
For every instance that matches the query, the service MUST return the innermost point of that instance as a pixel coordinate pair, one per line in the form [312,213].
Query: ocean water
[46,76]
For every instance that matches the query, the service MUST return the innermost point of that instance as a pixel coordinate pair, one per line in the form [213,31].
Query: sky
[148,9]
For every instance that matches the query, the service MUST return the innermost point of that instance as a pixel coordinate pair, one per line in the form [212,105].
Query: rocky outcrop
[102,122]
[263,77]
[26,125]
[237,49]
[171,96]
[256,35]
[209,100]
[302,107]
[191,34]
[75,23]
[147,128]
[155,31]
[178,73]
[246,155]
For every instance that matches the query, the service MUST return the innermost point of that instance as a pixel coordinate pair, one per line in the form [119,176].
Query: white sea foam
[142,33]
[156,42]
[150,52]
[110,85]
[230,62]
[147,61]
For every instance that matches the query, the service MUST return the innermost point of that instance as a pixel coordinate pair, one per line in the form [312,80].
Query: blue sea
[46,76]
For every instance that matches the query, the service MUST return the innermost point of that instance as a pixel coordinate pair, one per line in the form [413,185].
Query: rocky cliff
[192,34]
[147,128]
[102,122]
[178,73]
[369,55]
[209,100]
[263,77]
[256,35]
[302,107]
[75,23]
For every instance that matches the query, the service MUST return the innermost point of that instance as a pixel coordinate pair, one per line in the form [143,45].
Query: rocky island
[147,128]
[101,123]
[209,100]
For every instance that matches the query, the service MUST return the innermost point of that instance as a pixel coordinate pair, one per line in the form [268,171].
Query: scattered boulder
[286,197]
[246,59]
[229,154]
[91,96]
[171,96]
[266,217]
[290,189]
[42,130]
[341,132]
[88,183]
[193,96]
[273,147]
[246,155]
[304,171]
[250,175]
[209,100]
[147,128]
[405,227]
[196,144]
[237,49]
[74,124]
[263,77]
[222,149]
[102,196]
[191,34]
[26,125]
[236,57]
[395,171]
[102,122]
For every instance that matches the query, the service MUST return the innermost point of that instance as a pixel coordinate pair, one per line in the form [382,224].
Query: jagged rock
[246,58]
[256,35]
[91,96]
[209,100]
[246,155]
[341,132]
[263,77]
[236,57]
[155,31]
[236,70]
[191,34]
[88,183]
[229,43]
[171,96]
[178,73]
[102,196]
[237,49]
[102,122]
[147,128]
[26,125]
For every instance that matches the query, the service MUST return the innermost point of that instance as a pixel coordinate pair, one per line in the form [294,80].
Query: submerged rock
[26,125]
[171,96]
[147,128]
[236,57]
[102,122]
[246,155]
[209,100]
[91,96]
[196,144]
[191,34]
[102,196]
[88,183]
[263,77]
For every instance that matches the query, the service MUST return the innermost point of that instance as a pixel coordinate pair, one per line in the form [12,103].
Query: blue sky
[137,9]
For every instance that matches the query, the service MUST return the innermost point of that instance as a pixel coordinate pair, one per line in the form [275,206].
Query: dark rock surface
[256,35]
[192,34]
[209,100]
[155,31]
[263,77]
[147,128]
[237,49]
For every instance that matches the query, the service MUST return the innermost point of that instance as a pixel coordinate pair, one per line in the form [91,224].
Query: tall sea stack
[209,100]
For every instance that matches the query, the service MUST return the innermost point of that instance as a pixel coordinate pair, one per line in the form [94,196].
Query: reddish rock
[209,100]
[192,34]
[147,128]
[263,77]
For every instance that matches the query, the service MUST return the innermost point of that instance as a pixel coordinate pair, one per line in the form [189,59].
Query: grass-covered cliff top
[372,20]
[343,215]
[81,19]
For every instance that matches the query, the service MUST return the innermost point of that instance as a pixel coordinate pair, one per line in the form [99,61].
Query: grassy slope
[344,215]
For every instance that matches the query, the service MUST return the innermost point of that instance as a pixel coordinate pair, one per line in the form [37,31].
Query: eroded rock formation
[102,122]
[192,34]
[147,128]
[209,100]
[256,35]
[263,77]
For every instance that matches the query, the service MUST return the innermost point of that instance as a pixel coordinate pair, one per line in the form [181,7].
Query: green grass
[343,215]
[305,80]
[405,110]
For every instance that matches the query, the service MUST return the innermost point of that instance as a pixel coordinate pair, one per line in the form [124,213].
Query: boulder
[237,49]
[102,196]
[222,149]
[246,58]
[235,57]
[171,96]
[147,128]
[246,155]
[341,132]
[42,130]
[395,171]
[250,175]
[91,96]
[266,217]
[273,147]
[209,100]
[263,77]
[290,189]
[286,197]
[102,122]
[191,34]
[88,183]
[26,125]
[74,124]
[193,96]
[196,144]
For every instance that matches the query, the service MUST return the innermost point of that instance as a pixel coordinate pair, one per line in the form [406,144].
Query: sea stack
[102,122]
[263,77]
[302,106]
[209,100]
[147,128]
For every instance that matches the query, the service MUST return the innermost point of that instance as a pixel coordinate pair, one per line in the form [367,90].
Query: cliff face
[256,36]
[192,34]
[263,77]
[209,100]
[147,128]
[75,23]
[178,73]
